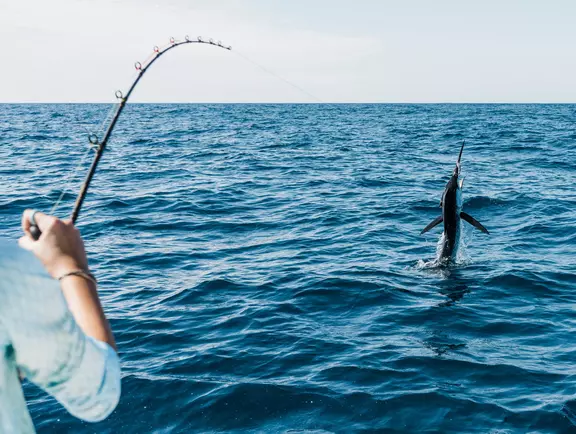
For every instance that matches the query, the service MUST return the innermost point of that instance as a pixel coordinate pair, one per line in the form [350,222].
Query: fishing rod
[100,145]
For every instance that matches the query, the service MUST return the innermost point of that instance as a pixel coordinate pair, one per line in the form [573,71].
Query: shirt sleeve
[92,391]
[83,374]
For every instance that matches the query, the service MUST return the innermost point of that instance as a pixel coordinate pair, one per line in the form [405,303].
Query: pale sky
[339,51]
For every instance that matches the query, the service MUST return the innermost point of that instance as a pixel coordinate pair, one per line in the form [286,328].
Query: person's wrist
[86,275]
[65,266]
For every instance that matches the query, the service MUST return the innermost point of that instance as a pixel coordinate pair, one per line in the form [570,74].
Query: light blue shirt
[39,336]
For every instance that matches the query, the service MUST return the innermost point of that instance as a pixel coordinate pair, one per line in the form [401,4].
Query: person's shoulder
[12,256]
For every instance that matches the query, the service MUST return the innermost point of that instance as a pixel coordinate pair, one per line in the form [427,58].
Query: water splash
[462,256]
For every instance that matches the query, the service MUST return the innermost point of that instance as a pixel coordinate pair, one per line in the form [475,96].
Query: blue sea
[263,269]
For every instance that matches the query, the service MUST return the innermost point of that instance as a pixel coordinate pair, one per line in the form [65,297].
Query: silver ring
[32,218]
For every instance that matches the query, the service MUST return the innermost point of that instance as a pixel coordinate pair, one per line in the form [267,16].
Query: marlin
[451,205]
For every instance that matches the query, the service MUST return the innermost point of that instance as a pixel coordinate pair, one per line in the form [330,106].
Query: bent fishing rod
[100,145]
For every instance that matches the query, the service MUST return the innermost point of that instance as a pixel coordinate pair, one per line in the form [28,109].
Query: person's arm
[62,340]
[61,251]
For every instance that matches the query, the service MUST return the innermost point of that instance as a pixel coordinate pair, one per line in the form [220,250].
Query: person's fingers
[68,222]
[26,220]
[42,220]
[26,243]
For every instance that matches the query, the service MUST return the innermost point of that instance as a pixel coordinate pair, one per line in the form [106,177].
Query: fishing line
[72,175]
[69,179]
[295,86]
[107,119]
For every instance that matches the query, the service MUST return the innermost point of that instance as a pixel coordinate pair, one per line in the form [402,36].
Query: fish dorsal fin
[433,223]
[473,222]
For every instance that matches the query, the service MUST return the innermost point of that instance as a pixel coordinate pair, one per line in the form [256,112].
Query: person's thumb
[26,243]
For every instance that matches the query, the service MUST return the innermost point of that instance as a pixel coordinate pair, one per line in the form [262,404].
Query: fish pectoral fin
[461,183]
[433,223]
[474,222]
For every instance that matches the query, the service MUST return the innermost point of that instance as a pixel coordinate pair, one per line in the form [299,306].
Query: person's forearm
[82,298]
[61,250]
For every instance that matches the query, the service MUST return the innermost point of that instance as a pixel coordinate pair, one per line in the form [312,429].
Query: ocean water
[263,270]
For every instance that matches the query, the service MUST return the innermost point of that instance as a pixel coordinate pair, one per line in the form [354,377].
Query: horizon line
[299,102]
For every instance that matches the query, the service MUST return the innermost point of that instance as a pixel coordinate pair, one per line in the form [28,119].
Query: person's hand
[60,247]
